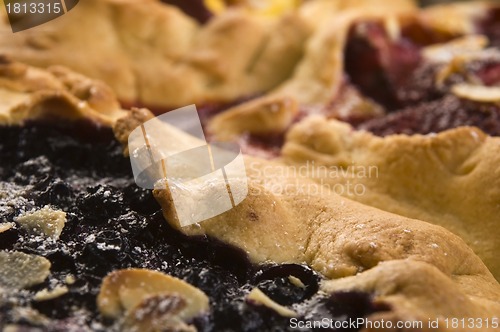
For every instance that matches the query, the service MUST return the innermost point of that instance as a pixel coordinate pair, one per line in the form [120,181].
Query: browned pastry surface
[290,218]
[29,93]
[446,182]
[449,179]
[362,64]
[153,54]
[419,291]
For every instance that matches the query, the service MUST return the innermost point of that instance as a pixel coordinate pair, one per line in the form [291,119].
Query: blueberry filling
[113,224]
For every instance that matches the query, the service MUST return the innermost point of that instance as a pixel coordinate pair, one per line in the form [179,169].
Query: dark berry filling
[437,116]
[376,65]
[489,25]
[194,8]
[113,224]
[395,75]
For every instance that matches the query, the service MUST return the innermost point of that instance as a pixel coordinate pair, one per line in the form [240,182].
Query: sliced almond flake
[257,296]
[458,62]
[485,94]
[296,282]
[70,279]
[455,66]
[45,221]
[19,270]
[157,313]
[12,328]
[4,227]
[393,28]
[124,290]
[467,46]
[46,295]
[30,315]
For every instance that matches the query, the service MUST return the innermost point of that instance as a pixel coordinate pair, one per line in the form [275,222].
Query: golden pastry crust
[342,100]
[262,116]
[97,37]
[319,77]
[450,179]
[29,93]
[290,218]
[455,18]
[409,295]
[152,54]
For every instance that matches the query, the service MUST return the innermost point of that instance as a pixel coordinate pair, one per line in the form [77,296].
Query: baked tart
[371,157]
[153,54]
